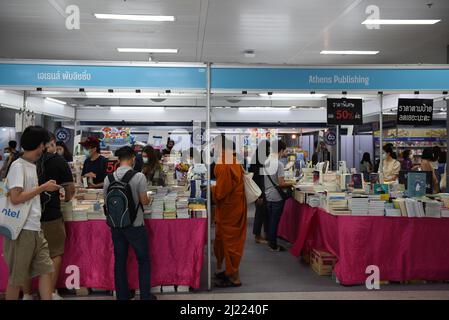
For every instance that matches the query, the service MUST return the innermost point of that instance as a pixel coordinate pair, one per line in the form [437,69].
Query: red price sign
[344,115]
[111,166]
[344,111]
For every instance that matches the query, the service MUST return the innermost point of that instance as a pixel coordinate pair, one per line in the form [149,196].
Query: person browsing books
[390,166]
[28,256]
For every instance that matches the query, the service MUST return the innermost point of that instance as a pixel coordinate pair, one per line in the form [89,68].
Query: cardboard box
[322,262]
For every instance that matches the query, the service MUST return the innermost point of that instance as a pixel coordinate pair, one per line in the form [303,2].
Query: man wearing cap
[94,168]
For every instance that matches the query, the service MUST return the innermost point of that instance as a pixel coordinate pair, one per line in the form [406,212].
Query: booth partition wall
[205,99]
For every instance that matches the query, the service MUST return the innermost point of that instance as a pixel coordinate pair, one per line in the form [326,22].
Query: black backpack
[119,206]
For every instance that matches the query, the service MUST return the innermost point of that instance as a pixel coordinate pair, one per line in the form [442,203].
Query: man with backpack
[125,193]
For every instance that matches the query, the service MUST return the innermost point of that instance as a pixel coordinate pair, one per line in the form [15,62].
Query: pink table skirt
[176,251]
[402,248]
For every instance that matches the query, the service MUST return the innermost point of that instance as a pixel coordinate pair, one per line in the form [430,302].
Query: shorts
[54,233]
[27,257]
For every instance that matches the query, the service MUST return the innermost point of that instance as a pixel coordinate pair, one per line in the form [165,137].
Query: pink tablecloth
[402,248]
[176,249]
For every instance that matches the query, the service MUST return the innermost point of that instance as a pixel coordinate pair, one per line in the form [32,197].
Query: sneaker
[277,249]
[56,296]
[260,240]
[28,297]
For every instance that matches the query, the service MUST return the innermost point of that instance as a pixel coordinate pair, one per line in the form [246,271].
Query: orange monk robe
[230,216]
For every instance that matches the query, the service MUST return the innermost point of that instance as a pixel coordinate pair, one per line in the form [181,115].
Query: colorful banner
[116,137]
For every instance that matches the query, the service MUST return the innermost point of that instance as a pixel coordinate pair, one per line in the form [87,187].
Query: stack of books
[391,211]
[197,208]
[376,206]
[170,205]
[337,204]
[432,208]
[414,208]
[182,208]
[445,212]
[359,205]
[400,204]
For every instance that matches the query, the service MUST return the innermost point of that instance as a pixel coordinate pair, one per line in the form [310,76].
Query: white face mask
[384,156]
[145,159]
[6,156]
[61,153]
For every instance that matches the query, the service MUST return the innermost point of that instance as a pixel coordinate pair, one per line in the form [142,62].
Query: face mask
[86,153]
[384,156]
[61,153]
[145,159]
[6,156]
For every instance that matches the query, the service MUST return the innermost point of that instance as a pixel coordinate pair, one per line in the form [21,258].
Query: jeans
[138,239]
[260,218]
[274,211]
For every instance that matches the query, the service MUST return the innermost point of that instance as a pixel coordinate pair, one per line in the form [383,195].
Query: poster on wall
[116,137]
[344,111]
[417,112]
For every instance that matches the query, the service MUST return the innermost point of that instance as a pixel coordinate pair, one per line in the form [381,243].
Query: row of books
[371,205]
[421,208]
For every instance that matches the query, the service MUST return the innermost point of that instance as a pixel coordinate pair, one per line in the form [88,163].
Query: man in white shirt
[28,256]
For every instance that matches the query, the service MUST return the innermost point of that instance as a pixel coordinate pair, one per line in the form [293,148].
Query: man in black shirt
[169,147]
[95,165]
[52,166]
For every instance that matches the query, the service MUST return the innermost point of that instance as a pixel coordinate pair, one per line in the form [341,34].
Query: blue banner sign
[330,79]
[79,76]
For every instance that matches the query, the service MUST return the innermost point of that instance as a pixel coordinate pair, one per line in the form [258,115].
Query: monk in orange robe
[230,217]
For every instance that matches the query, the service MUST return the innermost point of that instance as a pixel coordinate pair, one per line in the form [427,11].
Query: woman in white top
[390,166]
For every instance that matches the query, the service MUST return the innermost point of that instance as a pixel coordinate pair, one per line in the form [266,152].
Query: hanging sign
[344,111]
[62,134]
[330,138]
[416,112]
[116,137]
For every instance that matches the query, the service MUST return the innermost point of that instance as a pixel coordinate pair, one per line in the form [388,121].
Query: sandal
[226,283]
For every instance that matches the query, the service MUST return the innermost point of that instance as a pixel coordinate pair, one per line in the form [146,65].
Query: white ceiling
[280,31]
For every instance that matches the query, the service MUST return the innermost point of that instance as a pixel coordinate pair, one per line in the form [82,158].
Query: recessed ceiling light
[400,21]
[292,95]
[263,109]
[55,100]
[134,17]
[146,50]
[344,52]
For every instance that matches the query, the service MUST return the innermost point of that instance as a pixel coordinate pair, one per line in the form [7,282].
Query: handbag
[285,195]
[13,217]
[252,190]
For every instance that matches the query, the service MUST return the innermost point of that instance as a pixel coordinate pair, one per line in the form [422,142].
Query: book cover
[357,181]
[416,184]
[373,178]
[380,188]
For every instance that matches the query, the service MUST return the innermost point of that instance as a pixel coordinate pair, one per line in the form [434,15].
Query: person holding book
[390,166]
[28,256]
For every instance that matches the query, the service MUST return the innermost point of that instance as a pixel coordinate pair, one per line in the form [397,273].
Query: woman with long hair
[152,168]
[63,151]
